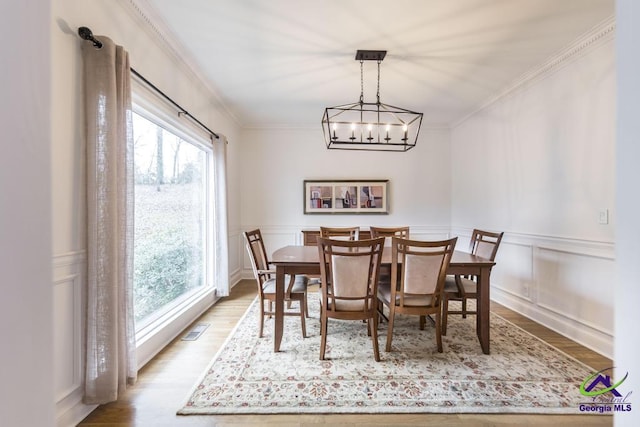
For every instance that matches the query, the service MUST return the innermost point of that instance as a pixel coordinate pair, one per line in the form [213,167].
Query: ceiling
[279,63]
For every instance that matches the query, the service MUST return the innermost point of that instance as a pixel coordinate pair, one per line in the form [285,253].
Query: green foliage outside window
[169,218]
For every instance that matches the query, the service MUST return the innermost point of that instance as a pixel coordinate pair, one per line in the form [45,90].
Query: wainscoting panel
[69,280]
[275,239]
[418,233]
[563,284]
[576,285]
[513,273]
[66,339]
[236,248]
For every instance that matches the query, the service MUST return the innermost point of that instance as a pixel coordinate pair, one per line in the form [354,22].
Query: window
[172,228]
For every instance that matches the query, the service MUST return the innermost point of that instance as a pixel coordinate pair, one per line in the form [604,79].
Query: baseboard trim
[74,415]
[590,337]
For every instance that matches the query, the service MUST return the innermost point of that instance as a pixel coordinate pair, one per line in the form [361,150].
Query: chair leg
[323,336]
[381,316]
[306,305]
[445,309]
[261,319]
[438,333]
[392,316]
[304,327]
[422,322]
[373,329]
[464,308]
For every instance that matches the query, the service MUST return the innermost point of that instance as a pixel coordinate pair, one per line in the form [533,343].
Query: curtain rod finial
[86,34]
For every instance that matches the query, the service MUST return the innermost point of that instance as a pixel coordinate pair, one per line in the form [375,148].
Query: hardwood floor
[164,383]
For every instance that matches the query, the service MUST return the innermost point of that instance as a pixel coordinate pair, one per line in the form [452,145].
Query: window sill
[151,339]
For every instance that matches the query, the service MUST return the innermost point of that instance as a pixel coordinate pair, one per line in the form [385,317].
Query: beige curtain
[220,215]
[110,331]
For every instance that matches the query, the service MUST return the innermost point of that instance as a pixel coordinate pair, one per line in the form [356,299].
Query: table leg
[482,317]
[279,320]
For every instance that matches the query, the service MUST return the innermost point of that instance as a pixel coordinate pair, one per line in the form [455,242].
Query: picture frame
[346,196]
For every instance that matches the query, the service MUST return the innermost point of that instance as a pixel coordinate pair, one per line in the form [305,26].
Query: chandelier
[370,126]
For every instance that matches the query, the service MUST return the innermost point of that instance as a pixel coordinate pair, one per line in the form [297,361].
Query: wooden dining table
[306,260]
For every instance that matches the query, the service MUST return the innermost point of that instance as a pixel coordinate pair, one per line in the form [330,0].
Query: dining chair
[349,270]
[342,233]
[418,273]
[388,233]
[296,286]
[462,288]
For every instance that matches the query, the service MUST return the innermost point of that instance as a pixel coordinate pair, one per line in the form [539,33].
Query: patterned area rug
[521,375]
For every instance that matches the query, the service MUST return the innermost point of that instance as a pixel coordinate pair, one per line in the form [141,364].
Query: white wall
[627,207]
[26,370]
[277,161]
[160,63]
[539,164]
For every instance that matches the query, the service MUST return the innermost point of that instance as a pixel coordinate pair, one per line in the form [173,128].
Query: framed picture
[346,197]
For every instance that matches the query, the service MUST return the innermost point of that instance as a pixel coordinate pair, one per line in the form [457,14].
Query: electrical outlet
[603,216]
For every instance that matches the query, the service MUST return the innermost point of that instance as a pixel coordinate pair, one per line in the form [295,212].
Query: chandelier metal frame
[370,126]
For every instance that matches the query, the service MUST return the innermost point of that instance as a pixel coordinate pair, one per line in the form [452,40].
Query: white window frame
[152,336]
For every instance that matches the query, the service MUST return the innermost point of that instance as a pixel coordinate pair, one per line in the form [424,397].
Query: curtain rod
[86,34]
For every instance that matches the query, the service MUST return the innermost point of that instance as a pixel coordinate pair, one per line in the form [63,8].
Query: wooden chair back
[258,257]
[342,233]
[295,286]
[485,243]
[402,232]
[418,273]
[349,272]
[388,233]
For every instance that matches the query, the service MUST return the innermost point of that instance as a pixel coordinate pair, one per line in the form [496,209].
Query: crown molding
[602,32]
[166,39]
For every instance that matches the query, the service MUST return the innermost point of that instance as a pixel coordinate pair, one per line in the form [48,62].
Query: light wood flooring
[164,383]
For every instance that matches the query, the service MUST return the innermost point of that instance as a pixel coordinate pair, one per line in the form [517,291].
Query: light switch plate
[603,216]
